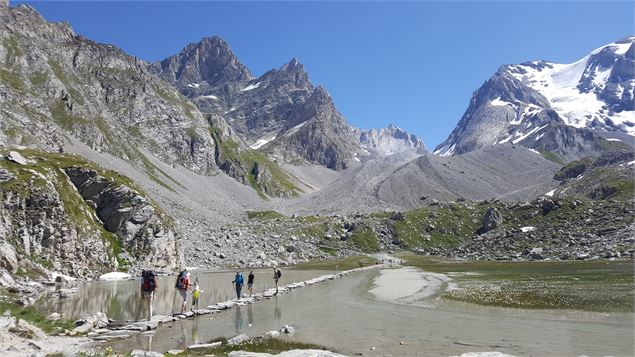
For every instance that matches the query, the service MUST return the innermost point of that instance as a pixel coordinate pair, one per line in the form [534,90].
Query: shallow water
[344,316]
[121,300]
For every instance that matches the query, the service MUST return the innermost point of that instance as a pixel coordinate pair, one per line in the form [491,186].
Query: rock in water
[238,340]
[492,219]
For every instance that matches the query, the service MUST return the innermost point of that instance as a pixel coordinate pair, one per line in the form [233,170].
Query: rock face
[94,92]
[390,140]
[553,108]
[280,112]
[131,216]
[65,215]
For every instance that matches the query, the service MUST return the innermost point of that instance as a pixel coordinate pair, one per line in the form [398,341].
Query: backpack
[278,274]
[180,281]
[149,280]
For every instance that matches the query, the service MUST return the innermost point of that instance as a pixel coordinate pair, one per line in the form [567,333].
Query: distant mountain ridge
[390,140]
[280,113]
[562,109]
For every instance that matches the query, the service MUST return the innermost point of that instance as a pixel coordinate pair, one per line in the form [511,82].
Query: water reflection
[122,301]
[238,319]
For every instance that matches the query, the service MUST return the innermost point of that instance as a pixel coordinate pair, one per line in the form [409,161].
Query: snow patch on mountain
[263,141]
[573,89]
[250,87]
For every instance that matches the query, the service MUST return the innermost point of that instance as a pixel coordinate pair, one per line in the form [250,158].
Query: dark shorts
[250,285]
[147,294]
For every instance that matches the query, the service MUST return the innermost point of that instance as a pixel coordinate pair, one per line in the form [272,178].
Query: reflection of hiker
[250,282]
[238,320]
[276,276]
[183,285]
[238,282]
[196,294]
[361,263]
[148,286]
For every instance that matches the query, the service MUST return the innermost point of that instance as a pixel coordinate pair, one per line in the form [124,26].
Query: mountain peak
[209,60]
[390,140]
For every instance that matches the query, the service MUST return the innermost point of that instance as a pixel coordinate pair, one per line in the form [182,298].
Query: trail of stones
[113,332]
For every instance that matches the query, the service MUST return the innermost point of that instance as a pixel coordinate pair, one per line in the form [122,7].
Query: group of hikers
[184,286]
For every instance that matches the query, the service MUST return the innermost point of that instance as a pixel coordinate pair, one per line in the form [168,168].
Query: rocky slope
[507,172]
[63,214]
[563,111]
[55,83]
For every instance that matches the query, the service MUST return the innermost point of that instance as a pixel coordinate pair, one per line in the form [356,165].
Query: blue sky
[413,64]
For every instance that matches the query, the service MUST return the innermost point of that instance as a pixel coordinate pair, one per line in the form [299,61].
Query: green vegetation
[66,80]
[438,227]
[606,145]
[265,215]
[271,345]
[39,78]
[65,119]
[13,49]
[177,100]
[33,316]
[605,286]
[279,183]
[365,239]
[347,263]
[551,156]
[11,79]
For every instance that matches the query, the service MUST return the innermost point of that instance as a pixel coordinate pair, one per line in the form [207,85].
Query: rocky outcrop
[60,213]
[141,227]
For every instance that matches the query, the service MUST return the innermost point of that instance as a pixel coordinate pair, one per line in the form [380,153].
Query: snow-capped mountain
[389,141]
[594,92]
[528,104]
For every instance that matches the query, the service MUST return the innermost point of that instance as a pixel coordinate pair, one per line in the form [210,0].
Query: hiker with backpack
[148,286]
[277,274]
[183,285]
[238,282]
[250,282]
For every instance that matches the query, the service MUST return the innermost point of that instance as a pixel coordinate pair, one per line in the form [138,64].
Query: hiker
[238,282]
[276,276]
[183,285]
[196,294]
[148,286]
[250,282]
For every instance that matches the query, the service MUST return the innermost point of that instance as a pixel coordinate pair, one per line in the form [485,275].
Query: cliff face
[61,213]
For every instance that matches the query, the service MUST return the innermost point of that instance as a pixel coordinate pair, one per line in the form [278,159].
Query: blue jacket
[239,280]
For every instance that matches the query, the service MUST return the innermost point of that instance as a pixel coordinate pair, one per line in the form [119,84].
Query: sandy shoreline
[407,285]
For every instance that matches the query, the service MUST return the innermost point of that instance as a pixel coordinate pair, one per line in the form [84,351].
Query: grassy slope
[280,184]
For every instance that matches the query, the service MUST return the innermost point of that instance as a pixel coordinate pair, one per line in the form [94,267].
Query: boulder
[8,257]
[26,330]
[16,157]
[273,333]
[288,329]
[6,280]
[491,220]
[142,353]
[536,253]
[5,175]
[202,346]
[238,340]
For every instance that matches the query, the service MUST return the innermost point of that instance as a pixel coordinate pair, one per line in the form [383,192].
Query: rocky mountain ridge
[565,112]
